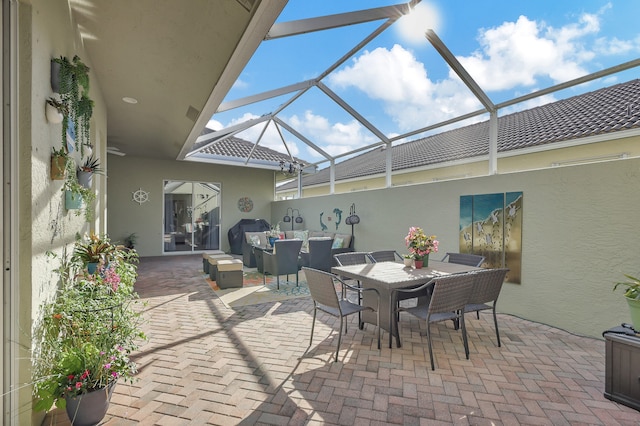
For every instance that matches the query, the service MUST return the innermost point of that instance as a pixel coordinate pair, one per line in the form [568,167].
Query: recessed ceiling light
[130,100]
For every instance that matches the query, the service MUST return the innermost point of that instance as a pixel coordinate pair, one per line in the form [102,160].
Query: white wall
[580,234]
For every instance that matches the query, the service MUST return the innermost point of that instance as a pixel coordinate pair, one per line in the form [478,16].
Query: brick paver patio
[207,364]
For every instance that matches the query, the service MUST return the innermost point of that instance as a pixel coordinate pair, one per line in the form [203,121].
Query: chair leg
[495,322]
[297,279]
[433,366]
[378,326]
[278,281]
[339,339]
[464,336]
[313,322]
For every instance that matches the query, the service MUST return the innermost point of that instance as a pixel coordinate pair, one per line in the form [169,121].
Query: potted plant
[86,336]
[130,241]
[420,246]
[77,195]
[273,234]
[93,250]
[408,259]
[86,171]
[55,110]
[59,160]
[632,295]
[70,78]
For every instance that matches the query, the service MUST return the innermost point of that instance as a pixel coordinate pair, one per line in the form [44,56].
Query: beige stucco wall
[45,30]
[580,234]
[128,174]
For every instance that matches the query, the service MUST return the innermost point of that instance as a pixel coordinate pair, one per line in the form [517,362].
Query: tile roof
[602,111]
[234,148]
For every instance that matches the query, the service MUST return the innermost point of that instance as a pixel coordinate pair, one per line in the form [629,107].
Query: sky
[399,83]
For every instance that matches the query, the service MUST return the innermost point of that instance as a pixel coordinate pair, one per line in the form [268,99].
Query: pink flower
[107,366]
[78,385]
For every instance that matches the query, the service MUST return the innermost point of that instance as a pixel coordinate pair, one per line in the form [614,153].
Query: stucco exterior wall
[128,174]
[45,30]
[580,234]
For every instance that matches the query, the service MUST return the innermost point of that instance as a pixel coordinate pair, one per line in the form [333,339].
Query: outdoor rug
[253,292]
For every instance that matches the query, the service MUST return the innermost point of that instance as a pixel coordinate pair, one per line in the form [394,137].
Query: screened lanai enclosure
[346,81]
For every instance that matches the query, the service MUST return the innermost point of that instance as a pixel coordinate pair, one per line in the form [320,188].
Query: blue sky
[399,82]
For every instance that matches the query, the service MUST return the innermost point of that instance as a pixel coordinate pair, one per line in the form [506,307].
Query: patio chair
[448,299]
[353,258]
[282,261]
[385,256]
[484,294]
[464,259]
[319,254]
[323,292]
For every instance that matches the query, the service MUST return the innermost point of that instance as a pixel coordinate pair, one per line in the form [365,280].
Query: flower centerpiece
[86,335]
[420,245]
[273,234]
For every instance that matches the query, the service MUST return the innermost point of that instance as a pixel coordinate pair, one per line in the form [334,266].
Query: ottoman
[205,259]
[229,273]
[213,263]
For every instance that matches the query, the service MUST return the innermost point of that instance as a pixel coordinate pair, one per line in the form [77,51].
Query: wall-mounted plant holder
[72,200]
[55,76]
[85,178]
[53,114]
[58,165]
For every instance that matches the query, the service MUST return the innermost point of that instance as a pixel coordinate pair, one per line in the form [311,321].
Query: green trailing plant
[87,333]
[632,287]
[74,102]
[88,196]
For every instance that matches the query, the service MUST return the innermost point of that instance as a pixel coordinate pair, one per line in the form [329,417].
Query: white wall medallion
[140,196]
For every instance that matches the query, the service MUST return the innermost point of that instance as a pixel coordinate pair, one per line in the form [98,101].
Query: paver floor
[207,364]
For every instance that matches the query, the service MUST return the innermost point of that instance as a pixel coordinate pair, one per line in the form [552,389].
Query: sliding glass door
[191,216]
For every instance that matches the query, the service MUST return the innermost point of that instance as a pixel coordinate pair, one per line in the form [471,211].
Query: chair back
[487,285]
[321,287]
[451,293]
[384,256]
[320,253]
[351,258]
[286,254]
[464,259]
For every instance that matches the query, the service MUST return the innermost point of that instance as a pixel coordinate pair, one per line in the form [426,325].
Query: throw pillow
[346,240]
[255,240]
[337,243]
[304,236]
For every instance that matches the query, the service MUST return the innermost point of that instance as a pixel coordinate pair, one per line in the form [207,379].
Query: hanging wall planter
[85,178]
[53,113]
[58,166]
[55,76]
[72,200]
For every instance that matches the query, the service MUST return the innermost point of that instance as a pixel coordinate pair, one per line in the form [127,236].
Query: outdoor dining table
[387,276]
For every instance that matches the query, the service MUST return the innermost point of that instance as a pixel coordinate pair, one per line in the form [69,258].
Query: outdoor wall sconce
[289,217]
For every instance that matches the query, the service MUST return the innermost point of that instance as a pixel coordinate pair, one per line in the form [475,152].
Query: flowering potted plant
[273,234]
[86,335]
[420,245]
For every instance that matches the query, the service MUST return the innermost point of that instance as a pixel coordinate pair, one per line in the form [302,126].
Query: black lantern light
[289,217]
[353,218]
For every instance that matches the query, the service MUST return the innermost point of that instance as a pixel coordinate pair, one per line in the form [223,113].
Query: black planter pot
[90,408]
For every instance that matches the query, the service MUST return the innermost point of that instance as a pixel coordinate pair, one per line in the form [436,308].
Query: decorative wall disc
[245,204]
[140,196]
